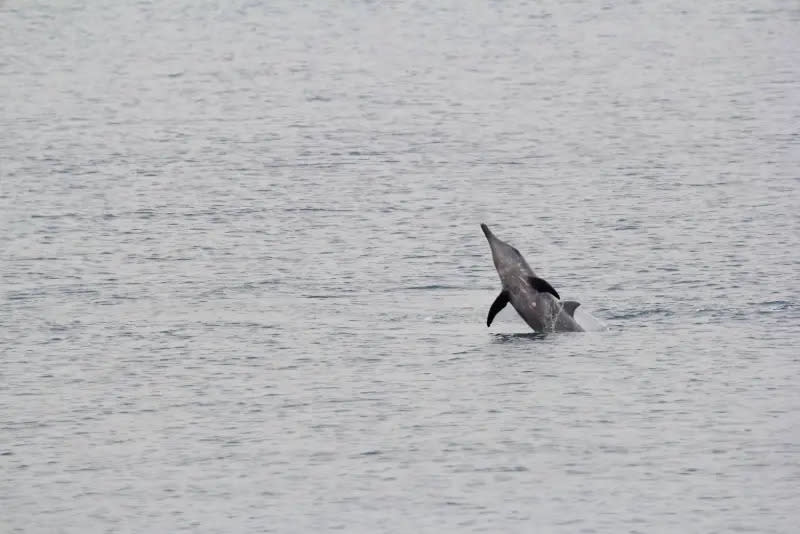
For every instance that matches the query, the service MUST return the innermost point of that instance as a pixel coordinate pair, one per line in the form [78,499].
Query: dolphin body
[534,299]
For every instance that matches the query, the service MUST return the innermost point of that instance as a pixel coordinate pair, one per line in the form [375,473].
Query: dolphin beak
[488,233]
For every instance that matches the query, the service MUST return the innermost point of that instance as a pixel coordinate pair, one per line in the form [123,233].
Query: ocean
[243,285]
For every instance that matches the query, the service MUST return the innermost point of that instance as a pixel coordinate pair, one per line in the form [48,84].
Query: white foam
[587,321]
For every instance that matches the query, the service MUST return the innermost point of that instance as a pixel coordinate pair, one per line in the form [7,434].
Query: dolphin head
[503,254]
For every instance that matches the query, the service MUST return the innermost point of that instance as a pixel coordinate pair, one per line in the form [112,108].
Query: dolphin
[534,298]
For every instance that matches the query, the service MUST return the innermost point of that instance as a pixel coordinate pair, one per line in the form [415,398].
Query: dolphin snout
[488,233]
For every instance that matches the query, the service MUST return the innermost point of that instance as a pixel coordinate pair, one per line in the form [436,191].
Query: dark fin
[498,304]
[570,306]
[542,286]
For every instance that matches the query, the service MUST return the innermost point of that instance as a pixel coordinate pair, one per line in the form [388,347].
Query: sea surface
[243,285]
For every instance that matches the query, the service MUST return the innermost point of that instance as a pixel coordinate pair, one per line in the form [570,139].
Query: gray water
[244,287]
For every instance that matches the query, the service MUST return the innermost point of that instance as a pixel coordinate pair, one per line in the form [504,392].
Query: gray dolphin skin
[534,299]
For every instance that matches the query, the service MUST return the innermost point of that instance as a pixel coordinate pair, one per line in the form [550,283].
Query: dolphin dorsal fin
[570,306]
[543,286]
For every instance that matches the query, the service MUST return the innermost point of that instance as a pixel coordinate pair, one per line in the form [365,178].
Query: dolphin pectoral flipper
[570,306]
[498,304]
[543,286]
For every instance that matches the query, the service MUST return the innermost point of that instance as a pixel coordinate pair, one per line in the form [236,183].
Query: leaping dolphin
[534,299]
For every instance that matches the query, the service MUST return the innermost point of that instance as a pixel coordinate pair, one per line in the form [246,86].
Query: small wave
[312,209]
[517,338]
[502,469]
[637,314]
[431,287]
[236,324]
[776,305]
